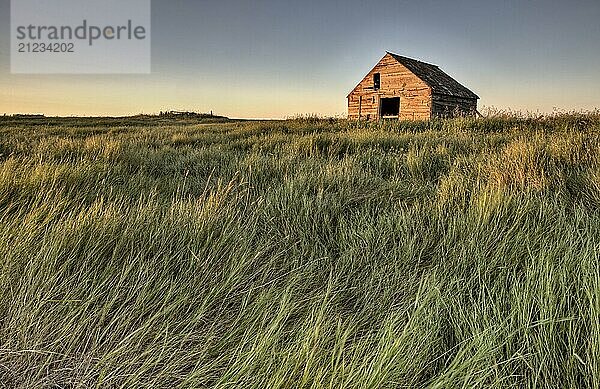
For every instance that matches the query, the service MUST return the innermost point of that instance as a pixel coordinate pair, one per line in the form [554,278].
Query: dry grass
[301,253]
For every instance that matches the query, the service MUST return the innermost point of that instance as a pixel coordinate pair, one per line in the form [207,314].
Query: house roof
[438,81]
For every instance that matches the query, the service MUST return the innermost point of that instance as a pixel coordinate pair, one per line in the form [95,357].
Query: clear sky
[272,58]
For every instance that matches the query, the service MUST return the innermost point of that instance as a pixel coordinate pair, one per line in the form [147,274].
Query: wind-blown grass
[301,253]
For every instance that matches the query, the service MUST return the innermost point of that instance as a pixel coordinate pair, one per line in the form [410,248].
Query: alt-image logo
[80,36]
[84,32]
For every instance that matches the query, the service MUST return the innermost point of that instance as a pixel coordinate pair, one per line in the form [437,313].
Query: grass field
[304,253]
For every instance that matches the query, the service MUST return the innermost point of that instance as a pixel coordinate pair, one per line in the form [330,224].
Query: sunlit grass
[301,253]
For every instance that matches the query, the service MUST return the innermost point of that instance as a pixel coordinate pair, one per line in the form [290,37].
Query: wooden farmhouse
[406,89]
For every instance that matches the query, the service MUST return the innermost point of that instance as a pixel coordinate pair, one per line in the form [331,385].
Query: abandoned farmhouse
[406,89]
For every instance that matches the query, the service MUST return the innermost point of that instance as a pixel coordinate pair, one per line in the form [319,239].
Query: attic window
[376,81]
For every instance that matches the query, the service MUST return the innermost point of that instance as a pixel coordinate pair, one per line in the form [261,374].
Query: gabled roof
[433,76]
[438,81]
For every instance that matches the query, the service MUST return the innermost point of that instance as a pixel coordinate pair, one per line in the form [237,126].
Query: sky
[276,59]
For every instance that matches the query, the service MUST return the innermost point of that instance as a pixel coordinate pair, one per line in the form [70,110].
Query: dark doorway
[390,107]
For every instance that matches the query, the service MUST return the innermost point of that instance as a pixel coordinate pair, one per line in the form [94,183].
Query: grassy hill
[301,253]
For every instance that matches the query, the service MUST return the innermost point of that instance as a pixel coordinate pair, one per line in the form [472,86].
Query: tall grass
[301,253]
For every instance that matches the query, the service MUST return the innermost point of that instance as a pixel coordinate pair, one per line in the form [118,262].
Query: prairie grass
[301,253]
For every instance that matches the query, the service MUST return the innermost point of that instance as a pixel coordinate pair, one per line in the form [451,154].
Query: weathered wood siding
[450,106]
[396,81]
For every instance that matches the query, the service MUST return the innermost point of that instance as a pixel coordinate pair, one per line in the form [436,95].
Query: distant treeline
[137,120]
